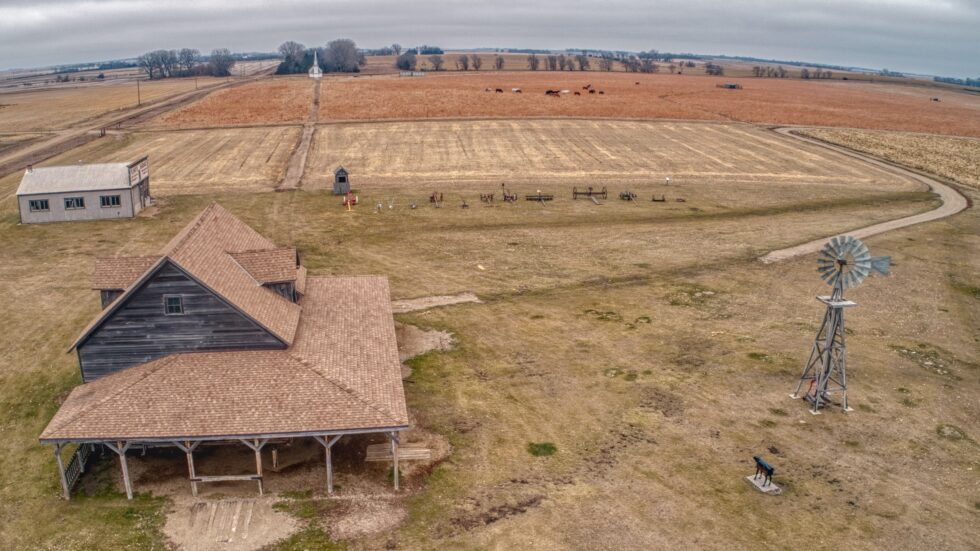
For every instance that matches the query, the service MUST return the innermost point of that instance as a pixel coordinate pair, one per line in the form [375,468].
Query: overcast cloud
[922,36]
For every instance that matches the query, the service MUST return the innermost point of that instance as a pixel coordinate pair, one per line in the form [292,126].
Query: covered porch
[266,448]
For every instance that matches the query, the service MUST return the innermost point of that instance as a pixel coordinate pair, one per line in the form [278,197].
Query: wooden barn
[341,181]
[84,192]
[222,337]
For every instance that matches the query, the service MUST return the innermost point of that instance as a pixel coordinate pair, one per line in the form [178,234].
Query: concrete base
[770,488]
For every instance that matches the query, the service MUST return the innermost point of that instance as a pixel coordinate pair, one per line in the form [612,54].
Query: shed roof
[269,265]
[121,271]
[64,179]
[341,373]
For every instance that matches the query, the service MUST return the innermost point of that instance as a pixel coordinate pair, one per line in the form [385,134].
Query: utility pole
[139,101]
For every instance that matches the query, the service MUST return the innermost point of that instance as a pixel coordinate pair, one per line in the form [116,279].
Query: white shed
[84,192]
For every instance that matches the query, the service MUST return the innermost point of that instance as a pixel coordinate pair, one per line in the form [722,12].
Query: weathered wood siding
[139,331]
[108,297]
[286,290]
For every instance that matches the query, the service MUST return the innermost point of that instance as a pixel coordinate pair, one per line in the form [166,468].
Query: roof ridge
[242,268]
[356,395]
[161,362]
[188,230]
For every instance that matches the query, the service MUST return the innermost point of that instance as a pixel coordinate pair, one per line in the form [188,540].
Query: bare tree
[533,62]
[292,51]
[498,62]
[714,69]
[606,64]
[648,66]
[397,48]
[221,62]
[437,62]
[146,63]
[341,56]
[672,68]
[463,63]
[476,61]
[187,58]
[804,73]
[562,61]
[631,64]
[781,72]
[406,61]
[583,62]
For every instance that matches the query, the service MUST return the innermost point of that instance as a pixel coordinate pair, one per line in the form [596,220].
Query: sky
[936,37]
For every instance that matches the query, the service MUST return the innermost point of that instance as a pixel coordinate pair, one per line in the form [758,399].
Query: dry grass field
[954,158]
[63,107]
[860,105]
[654,423]
[735,162]
[277,101]
[191,161]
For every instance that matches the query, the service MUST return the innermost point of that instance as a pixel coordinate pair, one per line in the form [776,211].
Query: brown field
[192,161]
[454,156]
[63,107]
[772,101]
[954,158]
[276,101]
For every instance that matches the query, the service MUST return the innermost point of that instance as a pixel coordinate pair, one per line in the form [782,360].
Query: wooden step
[407,452]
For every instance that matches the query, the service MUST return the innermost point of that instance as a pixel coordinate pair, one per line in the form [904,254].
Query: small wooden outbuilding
[341,181]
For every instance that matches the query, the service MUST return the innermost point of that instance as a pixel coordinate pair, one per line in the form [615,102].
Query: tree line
[339,56]
[186,62]
[779,72]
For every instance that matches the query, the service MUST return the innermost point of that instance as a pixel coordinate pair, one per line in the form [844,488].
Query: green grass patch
[760,357]
[778,411]
[951,432]
[541,449]
[308,539]
[767,423]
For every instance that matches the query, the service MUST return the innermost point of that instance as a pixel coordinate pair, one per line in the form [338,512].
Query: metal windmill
[843,263]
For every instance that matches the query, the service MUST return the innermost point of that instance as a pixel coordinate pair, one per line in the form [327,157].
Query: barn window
[173,305]
[109,201]
[72,203]
[38,205]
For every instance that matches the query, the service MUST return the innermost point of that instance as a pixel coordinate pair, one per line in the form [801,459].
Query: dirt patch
[413,341]
[424,303]
[497,513]
[241,524]
[361,517]
[274,101]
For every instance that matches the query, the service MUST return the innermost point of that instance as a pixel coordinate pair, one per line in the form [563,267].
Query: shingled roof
[120,272]
[340,373]
[204,249]
[269,265]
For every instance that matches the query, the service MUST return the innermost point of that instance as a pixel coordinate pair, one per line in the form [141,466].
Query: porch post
[327,445]
[65,491]
[190,466]
[394,456]
[120,448]
[257,446]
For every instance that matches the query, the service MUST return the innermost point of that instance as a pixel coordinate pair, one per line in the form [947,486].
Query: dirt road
[297,163]
[953,202]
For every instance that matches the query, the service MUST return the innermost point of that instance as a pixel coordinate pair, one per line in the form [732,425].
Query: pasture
[657,96]
[278,101]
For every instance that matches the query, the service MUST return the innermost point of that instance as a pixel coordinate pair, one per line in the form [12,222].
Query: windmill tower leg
[826,368]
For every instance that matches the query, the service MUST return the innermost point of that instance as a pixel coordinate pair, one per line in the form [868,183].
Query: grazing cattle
[637,83]
[488,89]
[499,90]
[587,86]
[578,93]
[592,91]
[516,90]
[601,92]
[555,93]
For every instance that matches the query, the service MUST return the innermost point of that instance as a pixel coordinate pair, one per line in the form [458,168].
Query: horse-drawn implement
[627,196]
[540,197]
[589,192]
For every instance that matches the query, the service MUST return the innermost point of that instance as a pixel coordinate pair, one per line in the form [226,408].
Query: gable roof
[342,373]
[202,250]
[269,266]
[61,179]
[120,272]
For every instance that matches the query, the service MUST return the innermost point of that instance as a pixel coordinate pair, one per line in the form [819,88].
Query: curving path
[953,202]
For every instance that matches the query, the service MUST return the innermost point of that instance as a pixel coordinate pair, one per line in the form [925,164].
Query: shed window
[173,305]
[72,203]
[109,201]
[38,205]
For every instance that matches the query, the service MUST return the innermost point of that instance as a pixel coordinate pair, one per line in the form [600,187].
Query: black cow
[764,469]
